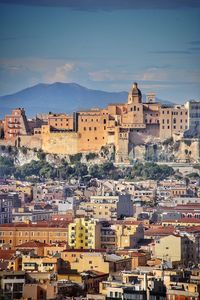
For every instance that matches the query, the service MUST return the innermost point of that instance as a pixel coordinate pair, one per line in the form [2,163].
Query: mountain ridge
[60,97]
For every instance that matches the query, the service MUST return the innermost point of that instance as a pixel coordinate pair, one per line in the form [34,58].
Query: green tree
[7,167]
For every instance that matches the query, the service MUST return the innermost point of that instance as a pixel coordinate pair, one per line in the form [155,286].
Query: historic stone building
[125,125]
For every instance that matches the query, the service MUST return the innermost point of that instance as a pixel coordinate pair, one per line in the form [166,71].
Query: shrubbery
[91,155]
[7,167]
[75,158]
[43,170]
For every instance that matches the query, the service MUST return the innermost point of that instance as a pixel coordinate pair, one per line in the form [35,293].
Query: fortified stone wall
[61,142]
[30,141]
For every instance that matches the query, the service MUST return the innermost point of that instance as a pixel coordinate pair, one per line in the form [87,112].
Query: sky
[103,44]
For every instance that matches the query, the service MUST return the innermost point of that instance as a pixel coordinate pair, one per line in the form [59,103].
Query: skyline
[103,45]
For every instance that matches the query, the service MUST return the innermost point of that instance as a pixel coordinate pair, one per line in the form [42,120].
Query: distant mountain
[60,97]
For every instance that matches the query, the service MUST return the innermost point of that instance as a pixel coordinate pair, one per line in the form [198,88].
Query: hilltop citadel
[125,126]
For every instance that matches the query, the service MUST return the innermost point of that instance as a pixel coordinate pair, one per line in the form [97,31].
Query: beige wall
[86,261]
[92,127]
[189,149]
[168,248]
[173,120]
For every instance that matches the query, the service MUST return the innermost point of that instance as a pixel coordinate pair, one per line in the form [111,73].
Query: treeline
[41,169]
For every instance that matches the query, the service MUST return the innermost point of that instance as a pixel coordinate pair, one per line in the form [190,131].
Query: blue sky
[102,45]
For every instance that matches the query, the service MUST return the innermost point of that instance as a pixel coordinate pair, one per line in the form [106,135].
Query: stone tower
[151,98]
[135,95]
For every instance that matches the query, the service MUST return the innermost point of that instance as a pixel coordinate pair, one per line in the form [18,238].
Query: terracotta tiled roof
[32,244]
[193,229]
[41,224]
[160,231]
[183,220]
[85,250]
[6,254]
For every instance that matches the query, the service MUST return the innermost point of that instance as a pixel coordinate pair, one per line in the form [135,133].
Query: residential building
[8,201]
[128,233]
[98,260]
[109,207]
[11,283]
[16,125]
[176,249]
[44,232]
[84,233]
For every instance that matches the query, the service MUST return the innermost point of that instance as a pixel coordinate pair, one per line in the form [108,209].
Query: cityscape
[99,150]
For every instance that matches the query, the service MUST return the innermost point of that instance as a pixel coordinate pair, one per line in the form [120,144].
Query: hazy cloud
[15,38]
[170,76]
[61,74]
[195,43]
[110,4]
[170,52]
[194,49]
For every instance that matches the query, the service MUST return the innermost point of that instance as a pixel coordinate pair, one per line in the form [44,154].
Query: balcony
[13,280]
[13,122]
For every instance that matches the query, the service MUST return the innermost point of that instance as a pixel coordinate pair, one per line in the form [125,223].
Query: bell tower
[151,98]
[135,95]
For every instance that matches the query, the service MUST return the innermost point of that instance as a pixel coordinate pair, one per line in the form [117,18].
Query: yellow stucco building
[84,233]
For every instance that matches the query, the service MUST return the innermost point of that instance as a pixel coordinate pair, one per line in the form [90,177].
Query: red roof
[32,244]
[85,250]
[160,231]
[193,229]
[42,224]
[183,220]
[6,254]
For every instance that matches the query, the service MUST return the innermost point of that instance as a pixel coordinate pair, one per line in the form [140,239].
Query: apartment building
[44,232]
[84,233]
[15,124]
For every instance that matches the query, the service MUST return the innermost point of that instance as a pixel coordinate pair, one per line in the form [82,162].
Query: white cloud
[61,73]
[153,74]
[167,76]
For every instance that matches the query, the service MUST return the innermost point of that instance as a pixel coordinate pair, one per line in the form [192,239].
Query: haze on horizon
[103,45]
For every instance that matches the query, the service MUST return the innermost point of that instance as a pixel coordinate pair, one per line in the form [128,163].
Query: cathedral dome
[135,90]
